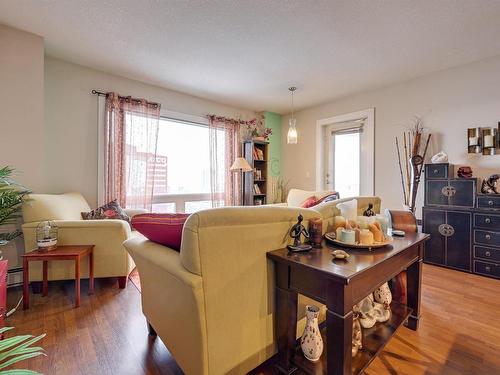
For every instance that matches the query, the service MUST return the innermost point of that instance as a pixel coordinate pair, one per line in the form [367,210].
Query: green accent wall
[273,121]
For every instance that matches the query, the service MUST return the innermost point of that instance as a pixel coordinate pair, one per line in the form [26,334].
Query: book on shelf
[258,154]
[256,189]
[258,201]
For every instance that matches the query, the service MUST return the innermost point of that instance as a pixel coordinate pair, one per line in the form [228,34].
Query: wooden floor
[459,331]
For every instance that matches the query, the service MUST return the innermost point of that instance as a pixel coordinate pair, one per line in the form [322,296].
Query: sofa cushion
[309,202]
[165,229]
[111,210]
[67,206]
[296,196]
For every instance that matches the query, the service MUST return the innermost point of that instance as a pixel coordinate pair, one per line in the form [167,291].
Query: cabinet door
[434,193]
[458,245]
[435,246]
[463,193]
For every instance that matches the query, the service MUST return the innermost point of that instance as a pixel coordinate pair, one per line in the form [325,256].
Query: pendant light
[292,130]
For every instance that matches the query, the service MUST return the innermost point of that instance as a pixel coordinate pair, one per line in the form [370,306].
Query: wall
[71,120]
[450,101]
[22,134]
[273,121]
[21,105]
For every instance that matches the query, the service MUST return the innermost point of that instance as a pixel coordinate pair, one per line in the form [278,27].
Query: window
[346,167]
[182,167]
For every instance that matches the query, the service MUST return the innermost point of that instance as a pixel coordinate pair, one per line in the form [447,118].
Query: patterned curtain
[131,135]
[225,147]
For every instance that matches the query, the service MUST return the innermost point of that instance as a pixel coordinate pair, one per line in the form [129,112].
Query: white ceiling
[247,53]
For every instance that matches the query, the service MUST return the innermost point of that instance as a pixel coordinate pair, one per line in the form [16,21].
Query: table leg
[339,343]
[45,288]
[286,327]
[91,273]
[26,281]
[77,281]
[414,282]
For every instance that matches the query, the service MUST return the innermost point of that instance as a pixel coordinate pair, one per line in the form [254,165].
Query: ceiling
[247,53]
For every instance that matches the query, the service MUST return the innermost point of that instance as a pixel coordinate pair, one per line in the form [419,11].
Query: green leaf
[5,329]
[19,372]
[20,358]
[11,341]
[21,347]
[20,351]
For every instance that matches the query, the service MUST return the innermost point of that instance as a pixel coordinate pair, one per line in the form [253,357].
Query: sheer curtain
[225,147]
[131,135]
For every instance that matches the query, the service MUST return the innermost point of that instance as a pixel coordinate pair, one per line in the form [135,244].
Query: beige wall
[70,118]
[450,101]
[22,134]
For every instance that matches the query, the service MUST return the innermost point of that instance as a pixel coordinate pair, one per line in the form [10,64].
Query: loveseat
[110,257]
[213,302]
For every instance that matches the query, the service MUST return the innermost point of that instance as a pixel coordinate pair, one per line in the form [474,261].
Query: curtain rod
[100,93]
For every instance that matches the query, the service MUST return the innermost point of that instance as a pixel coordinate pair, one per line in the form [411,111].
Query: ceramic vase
[383,294]
[311,341]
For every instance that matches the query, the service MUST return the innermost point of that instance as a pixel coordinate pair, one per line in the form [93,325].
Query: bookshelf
[255,189]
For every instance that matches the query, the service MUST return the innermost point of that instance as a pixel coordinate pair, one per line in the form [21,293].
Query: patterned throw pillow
[309,202]
[111,210]
[165,229]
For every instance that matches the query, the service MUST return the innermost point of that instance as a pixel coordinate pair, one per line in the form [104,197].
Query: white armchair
[110,257]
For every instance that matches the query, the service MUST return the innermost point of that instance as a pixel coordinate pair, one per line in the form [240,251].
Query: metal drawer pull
[488,237]
[435,171]
[448,191]
[487,220]
[490,203]
[446,230]
[488,254]
[487,268]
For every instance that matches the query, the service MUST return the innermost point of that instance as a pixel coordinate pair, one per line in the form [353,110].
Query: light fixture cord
[292,105]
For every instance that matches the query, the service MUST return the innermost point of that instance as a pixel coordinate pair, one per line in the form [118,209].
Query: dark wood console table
[340,284]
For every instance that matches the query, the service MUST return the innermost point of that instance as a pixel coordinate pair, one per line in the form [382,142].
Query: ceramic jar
[383,294]
[311,341]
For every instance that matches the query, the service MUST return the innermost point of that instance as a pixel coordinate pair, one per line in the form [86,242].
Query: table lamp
[241,165]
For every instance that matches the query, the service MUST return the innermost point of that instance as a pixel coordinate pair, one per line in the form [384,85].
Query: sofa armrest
[131,212]
[140,248]
[278,204]
[111,224]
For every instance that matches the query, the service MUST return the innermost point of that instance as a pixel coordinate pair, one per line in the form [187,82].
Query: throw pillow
[165,229]
[329,198]
[111,210]
[309,202]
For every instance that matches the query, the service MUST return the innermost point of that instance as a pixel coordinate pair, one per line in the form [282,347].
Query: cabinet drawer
[486,221]
[486,268]
[488,201]
[487,237]
[442,170]
[487,253]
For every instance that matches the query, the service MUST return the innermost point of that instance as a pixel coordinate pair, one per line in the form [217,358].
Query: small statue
[369,211]
[296,232]
[464,172]
[489,186]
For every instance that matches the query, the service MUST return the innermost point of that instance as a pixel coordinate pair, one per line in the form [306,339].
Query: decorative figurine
[369,211]
[464,172]
[357,335]
[440,157]
[311,341]
[340,254]
[295,232]
[489,186]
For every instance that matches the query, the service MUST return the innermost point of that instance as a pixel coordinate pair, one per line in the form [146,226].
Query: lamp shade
[241,165]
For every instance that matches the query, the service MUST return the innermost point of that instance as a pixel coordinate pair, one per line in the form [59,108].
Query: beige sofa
[110,257]
[212,303]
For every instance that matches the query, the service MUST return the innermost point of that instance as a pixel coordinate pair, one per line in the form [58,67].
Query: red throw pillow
[309,202]
[165,229]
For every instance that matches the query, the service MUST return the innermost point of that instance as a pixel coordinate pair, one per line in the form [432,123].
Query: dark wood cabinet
[464,225]
[450,242]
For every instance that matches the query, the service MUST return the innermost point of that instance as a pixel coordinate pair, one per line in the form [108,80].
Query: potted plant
[18,348]
[12,196]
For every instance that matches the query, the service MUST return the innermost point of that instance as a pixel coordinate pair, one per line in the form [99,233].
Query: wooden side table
[68,252]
